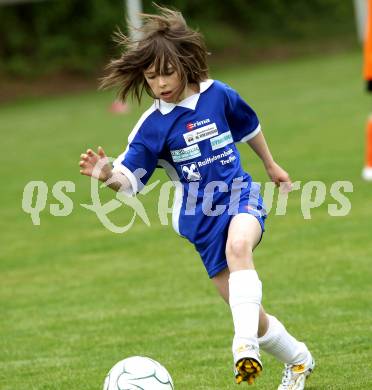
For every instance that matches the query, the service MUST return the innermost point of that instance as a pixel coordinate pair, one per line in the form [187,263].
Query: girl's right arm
[98,166]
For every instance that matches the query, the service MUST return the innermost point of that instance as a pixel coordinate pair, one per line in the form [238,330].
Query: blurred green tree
[75,35]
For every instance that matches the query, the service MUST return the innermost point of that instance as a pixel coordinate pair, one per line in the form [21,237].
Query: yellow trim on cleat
[248,369]
[238,379]
[298,368]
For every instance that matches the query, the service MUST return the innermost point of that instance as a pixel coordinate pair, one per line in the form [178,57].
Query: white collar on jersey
[190,102]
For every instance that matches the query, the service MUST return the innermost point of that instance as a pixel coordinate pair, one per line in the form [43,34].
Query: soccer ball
[138,373]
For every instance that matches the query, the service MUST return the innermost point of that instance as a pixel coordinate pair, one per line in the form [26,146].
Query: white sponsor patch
[221,140]
[201,134]
[185,154]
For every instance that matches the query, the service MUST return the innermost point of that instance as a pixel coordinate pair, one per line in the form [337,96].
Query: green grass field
[76,298]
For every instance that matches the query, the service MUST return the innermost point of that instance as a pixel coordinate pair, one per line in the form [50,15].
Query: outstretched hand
[96,165]
[280,177]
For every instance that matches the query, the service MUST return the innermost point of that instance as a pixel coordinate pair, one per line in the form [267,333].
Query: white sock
[279,343]
[245,293]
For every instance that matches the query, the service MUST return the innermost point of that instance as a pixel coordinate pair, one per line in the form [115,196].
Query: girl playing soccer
[190,130]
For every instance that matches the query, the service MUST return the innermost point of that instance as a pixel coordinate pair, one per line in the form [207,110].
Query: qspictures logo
[38,197]
[192,125]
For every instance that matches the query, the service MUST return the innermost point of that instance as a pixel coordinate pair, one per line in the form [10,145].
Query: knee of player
[239,248]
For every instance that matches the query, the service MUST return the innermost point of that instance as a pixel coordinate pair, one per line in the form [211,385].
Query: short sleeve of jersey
[140,158]
[241,118]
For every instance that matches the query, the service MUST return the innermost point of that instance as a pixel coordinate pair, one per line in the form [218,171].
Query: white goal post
[134,8]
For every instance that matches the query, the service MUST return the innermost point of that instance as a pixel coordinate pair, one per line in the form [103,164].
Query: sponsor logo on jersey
[191,172]
[221,140]
[185,154]
[228,160]
[201,134]
[219,157]
[190,125]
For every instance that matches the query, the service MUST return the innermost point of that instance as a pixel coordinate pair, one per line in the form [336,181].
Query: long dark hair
[165,40]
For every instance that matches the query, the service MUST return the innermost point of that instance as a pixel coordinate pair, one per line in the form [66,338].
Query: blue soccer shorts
[213,250]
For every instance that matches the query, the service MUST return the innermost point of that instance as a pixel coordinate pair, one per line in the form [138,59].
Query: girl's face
[164,86]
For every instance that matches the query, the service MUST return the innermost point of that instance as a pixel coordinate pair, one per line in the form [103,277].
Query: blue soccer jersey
[194,141]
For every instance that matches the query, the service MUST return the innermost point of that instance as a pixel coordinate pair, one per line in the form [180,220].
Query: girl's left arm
[276,173]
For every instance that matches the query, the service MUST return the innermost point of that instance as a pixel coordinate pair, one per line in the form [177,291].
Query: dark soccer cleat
[247,364]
